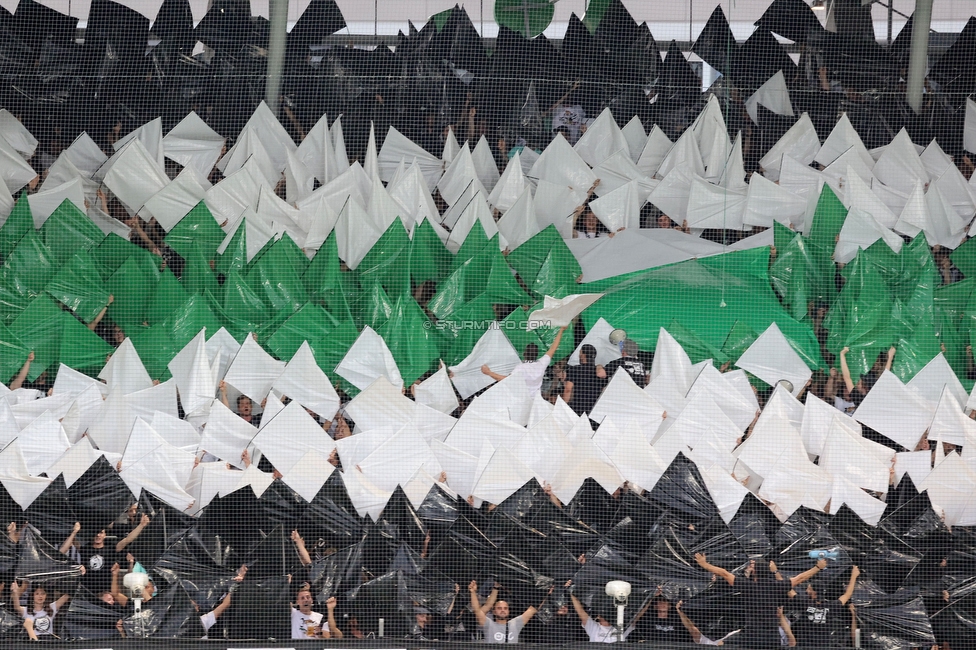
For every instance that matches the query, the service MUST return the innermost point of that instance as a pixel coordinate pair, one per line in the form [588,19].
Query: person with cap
[584,382]
[500,628]
[533,370]
[631,364]
[598,629]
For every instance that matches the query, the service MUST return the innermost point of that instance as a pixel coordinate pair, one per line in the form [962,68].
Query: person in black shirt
[764,593]
[825,622]
[98,557]
[664,625]
[584,382]
[630,363]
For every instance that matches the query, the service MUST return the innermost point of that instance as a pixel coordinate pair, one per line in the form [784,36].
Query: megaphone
[825,553]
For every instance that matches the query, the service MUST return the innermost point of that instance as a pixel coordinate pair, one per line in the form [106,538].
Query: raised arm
[490,601]
[485,370]
[785,624]
[567,391]
[845,371]
[532,611]
[223,393]
[303,555]
[117,594]
[15,591]
[334,630]
[22,375]
[580,611]
[809,573]
[475,605]
[891,357]
[853,611]
[688,623]
[846,596]
[555,342]
[62,601]
[717,570]
[131,537]
[70,539]
[225,602]
[98,319]
[641,613]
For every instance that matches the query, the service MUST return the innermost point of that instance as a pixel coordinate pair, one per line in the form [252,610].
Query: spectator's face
[589,221]
[40,598]
[100,537]
[304,600]
[500,610]
[244,406]
[107,598]
[422,619]
[562,611]
[664,221]
[662,607]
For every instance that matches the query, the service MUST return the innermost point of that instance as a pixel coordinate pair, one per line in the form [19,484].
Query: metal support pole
[891,16]
[277,41]
[918,61]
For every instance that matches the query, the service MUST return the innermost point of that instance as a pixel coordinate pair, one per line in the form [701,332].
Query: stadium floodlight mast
[619,590]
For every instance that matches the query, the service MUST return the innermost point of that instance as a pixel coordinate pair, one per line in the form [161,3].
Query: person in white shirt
[39,617]
[533,369]
[307,624]
[599,629]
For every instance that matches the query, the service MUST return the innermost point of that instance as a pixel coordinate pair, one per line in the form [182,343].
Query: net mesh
[518,322]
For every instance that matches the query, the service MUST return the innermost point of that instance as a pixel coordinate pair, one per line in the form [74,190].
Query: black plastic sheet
[51,513]
[200,565]
[715,44]
[888,561]
[378,598]
[670,563]
[39,562]
[892,621]
[438,509]
[795,544]
[753,525]
[98,497]
[437,596]
[593,506]
[166,528]
[260,609]
[331,516]
[340,570]
[88,618]
[11,625]
[169,615]
[682,491]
